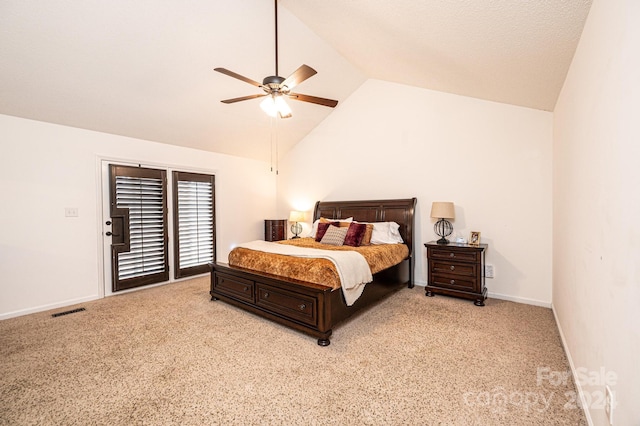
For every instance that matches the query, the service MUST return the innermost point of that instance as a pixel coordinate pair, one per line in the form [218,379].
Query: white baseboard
[576,380]
[516,299]
[88,299]
[47,307]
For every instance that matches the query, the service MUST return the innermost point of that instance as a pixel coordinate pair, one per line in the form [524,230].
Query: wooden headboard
[399,211]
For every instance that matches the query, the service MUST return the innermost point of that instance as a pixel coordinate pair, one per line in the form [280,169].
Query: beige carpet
[169,355]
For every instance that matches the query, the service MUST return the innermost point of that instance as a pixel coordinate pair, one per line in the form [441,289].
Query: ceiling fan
[276,88]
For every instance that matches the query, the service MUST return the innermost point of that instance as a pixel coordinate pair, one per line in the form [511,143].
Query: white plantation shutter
[193,222]
[144,198]
[195,216]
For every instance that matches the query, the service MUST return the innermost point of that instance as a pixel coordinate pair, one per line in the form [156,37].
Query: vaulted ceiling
[144,68]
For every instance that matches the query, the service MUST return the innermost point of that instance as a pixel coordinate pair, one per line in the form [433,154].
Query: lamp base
[296,229]
[442,229]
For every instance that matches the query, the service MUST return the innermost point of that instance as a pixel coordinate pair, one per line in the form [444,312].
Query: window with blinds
[194,223]
[138,201]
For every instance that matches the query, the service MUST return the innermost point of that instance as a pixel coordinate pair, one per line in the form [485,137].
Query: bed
[315,308]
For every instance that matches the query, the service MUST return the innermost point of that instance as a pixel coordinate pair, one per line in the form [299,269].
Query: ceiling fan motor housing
[272,83]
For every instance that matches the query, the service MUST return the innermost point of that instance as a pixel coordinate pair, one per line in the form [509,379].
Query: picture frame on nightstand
[474,238]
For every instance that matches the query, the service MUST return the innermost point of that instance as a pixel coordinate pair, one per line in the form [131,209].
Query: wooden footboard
[313,308]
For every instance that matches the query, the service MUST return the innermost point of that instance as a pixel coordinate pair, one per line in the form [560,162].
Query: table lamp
[442,210]
[295,217]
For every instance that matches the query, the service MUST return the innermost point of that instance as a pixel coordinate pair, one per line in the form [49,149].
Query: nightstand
[274,229]
[456,270]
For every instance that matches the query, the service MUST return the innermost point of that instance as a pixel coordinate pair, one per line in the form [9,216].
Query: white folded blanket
[352,267]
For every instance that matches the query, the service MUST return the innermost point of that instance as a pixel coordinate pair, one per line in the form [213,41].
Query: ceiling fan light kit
[275,105]
[276,87]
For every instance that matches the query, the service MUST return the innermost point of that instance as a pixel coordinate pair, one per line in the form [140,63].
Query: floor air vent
[73,311]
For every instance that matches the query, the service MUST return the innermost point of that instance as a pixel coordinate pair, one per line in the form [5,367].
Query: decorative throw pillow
[334,235]
[341,222]
[355,233]
[322,228]
[366,238]
[314,228]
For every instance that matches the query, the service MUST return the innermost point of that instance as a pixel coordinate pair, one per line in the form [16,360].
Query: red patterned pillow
[322,228]
[355,234]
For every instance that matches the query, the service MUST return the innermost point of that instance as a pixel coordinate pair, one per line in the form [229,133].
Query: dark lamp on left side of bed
[443,210]
[295,217]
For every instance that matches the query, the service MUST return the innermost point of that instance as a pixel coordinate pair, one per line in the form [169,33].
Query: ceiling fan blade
[298,76]
[243,98]
[313,99]
[238,76]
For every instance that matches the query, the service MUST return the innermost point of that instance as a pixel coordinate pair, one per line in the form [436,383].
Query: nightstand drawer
[276,235]
[454,255]
[449,268]
[456,283]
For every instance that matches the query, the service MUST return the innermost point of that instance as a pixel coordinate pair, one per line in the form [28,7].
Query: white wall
[596,181]
[492,160]
[48,260]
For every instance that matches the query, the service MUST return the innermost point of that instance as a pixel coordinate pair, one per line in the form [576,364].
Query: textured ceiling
[145,68]
[511,51]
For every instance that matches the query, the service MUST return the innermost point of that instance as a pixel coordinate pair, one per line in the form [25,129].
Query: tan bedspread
[318,271]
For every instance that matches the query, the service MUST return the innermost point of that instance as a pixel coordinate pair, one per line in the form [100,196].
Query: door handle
[119,229]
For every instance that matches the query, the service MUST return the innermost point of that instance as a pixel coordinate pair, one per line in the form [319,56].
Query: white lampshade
[274,105]
[268,105]
[296,216]
[283,108]
[442,210]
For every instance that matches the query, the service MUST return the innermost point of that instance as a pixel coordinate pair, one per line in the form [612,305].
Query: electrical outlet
[609,403]
[488,271]
[70,212]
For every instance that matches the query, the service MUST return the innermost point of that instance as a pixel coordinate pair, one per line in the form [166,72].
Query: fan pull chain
[274,141]
[277,168]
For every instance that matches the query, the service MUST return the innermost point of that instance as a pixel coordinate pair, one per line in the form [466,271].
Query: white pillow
[386,233]
[314,227]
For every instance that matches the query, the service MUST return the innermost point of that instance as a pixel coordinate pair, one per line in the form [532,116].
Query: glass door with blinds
[157,222]
[139,240]
[193,223]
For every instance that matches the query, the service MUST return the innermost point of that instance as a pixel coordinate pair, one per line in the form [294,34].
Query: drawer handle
[453,282]
[302,307]
[246,288]
[452,255]
[266,294]
[452,267]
